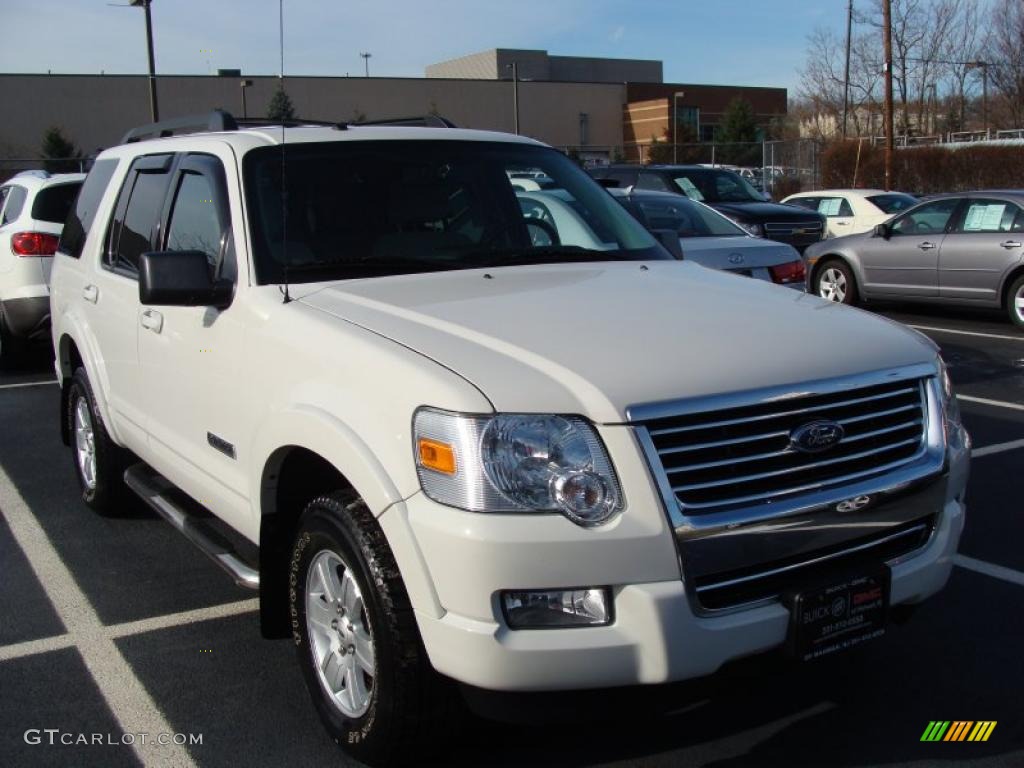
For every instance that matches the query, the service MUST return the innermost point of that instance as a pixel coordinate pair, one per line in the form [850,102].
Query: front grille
[798,234]
[748,585]
[743,456]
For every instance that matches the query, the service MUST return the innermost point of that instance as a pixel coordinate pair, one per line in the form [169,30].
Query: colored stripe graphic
[958,730]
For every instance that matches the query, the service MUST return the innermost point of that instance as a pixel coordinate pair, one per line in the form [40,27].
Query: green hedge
[925,170]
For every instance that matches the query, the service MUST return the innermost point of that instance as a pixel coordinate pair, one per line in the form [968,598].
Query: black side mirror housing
[670,239]
[181,279]
[881,230]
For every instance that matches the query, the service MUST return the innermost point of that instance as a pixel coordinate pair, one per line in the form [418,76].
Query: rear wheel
[356,637]
[99,461]
[1015,302]
[835,282]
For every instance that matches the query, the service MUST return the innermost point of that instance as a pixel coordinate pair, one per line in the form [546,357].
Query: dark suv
[728,193]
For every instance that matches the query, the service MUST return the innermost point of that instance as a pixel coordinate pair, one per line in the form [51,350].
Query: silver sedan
[965,249]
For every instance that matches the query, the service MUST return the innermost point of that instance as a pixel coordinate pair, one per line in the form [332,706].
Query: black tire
[847,292]
[410,706]
[106,494]
[1013,294]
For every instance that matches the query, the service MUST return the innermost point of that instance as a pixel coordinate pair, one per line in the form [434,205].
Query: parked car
[729,194]
[472,447]
[33,206]
[708,238]
[965,249]
[852,211]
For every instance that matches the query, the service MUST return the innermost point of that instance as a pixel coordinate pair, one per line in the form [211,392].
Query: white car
[471,445]
[852,211]
[33,206]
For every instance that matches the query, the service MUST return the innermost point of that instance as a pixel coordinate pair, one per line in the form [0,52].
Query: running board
[156,491]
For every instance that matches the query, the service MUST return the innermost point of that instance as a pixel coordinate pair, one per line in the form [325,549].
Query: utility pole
[245,84]
[366,62]
[675,125]
[144,4]
[514,66]
[887,46]
[983,66]
[846,77]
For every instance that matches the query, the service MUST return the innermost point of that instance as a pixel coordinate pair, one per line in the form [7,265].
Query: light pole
[514,66]
[983,66]
[675,125]
[366,62]
[144,4]
[887,46]
[846,76]
[245,84]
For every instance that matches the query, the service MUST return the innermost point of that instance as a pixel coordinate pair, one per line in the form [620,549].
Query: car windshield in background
[709,186]
[892,203]
[52,204]
[685,217]
[373,208]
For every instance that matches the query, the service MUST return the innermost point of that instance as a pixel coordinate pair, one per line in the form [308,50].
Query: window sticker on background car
[984,217]
[830,206]
[689,189]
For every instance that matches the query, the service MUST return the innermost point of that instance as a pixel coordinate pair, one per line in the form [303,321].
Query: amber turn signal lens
[439,457]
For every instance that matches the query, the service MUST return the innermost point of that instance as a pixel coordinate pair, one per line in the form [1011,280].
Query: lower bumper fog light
[555,608]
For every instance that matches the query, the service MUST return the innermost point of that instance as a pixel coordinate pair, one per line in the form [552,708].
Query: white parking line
[33,647]
[986,401]
[183,618]
[967,333]
[123,692]
[28,384]
[988,450]
[990,569]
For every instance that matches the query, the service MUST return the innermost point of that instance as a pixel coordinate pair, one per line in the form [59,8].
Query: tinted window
[653,181]
[686,218]
[78,221]
[624,178]
[371,208]
[195,224]
[135,235]
[52,204]
[15,202]
[892,203]
[834,207]
[716,187]
[989,216]
[927,219]
[810,203]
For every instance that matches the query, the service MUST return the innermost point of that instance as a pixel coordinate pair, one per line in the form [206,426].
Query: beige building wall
[96,110]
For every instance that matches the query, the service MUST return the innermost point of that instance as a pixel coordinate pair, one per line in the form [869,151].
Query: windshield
[373,208]
[711,186]
[682,216]
[893,203]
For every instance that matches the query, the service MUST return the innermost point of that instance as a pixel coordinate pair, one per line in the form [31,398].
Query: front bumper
[658,635]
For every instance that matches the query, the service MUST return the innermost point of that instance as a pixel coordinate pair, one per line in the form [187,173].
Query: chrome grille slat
[764,417]
[712,464]
[801,468]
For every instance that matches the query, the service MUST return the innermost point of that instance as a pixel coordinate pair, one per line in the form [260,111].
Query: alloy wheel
[832,285]
[85,443]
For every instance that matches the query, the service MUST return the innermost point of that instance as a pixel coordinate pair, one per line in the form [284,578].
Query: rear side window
[52,204]
[138,210]
[79,219]
[15,202]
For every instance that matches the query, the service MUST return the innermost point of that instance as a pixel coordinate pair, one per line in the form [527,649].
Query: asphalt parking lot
[119,626]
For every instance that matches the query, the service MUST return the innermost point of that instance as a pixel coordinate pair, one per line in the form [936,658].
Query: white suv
[471,447]
[33,206]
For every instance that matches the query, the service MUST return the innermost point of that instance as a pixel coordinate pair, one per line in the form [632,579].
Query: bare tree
[1006,59]
[965,43]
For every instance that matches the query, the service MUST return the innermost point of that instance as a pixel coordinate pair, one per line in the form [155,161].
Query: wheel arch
[1008,281]
[835,256]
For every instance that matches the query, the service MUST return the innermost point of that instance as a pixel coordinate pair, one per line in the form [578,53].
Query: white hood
[594,339]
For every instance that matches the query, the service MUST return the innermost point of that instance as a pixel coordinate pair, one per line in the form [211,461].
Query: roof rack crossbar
[416,121]
[215,120]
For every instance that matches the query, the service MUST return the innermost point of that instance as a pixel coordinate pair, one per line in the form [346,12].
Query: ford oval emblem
[735,258]
[817,436]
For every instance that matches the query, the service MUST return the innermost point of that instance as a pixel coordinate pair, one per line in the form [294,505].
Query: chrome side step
[156,490]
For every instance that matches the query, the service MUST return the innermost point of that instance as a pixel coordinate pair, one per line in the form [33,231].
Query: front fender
[76,329]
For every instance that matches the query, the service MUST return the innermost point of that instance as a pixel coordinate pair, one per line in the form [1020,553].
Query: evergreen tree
[739,126]
[281,107]
[56,149]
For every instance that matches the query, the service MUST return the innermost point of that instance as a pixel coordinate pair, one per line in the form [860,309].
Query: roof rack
[418,121]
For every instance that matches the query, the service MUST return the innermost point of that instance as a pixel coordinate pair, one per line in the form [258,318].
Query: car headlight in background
[516,463]
[952,424]
[755,230]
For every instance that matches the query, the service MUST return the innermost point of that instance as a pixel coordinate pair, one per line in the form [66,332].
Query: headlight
[516,463]
[751,229]
[951,421]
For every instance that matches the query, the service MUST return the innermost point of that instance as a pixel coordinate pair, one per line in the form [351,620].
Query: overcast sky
[744,42]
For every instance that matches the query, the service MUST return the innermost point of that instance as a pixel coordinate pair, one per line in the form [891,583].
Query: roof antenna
[284,189]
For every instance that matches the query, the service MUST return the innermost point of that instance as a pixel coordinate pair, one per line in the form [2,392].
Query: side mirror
[181,279]
[881,230]
[670,239]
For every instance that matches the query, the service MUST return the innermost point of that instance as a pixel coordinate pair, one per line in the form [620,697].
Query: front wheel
[356,637]
[835,282]
[1015,302]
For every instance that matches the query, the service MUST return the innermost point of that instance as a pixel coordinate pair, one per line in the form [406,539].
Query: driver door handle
[152,320]
[91,294]
[1010,244]
[926,246]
